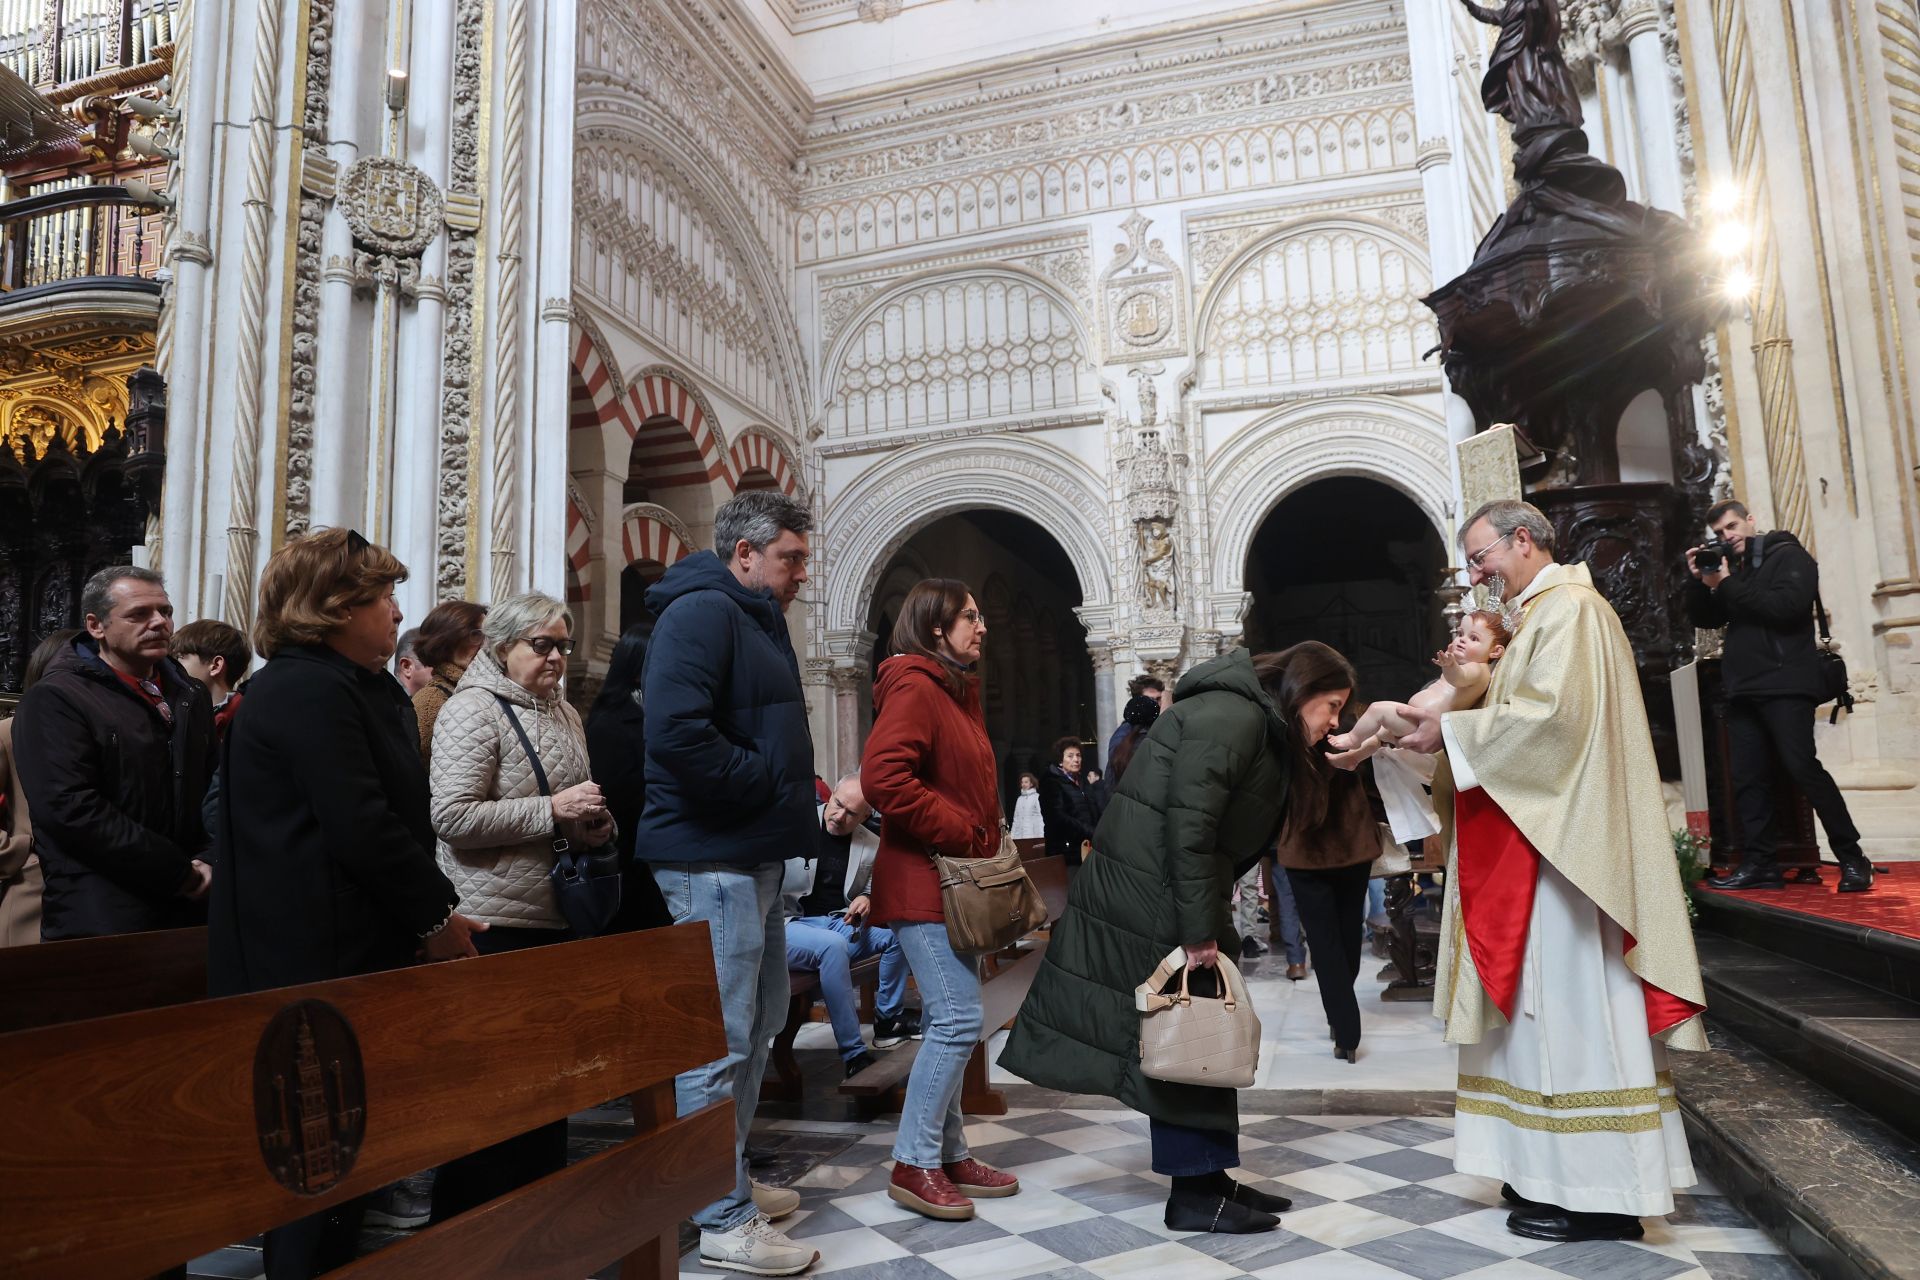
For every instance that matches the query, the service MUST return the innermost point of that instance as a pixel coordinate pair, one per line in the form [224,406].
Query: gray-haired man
[729,798]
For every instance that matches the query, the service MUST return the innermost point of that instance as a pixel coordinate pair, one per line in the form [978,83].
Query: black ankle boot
[1568,1226]
[1254,1198]
[1751,875]
[1215,1214]
[1856,872]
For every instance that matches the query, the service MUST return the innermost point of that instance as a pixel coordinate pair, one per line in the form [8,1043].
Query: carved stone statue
[1158,586]
[1527,82]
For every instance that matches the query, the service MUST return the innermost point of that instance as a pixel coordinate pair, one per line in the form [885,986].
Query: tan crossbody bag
[989,903]
[1189,1039]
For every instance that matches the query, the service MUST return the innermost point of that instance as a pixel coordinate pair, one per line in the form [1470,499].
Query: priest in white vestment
[1567,966]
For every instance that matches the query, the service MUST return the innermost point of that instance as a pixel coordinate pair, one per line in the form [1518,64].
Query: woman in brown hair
[1331,835]
[445,644]
[326,849]
[929,769]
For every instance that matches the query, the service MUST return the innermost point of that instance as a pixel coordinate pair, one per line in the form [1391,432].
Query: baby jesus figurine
[1466,668]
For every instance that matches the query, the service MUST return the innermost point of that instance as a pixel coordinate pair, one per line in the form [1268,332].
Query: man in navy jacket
[729,775]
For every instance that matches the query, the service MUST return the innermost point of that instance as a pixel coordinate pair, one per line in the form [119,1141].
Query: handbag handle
[1147,997]
[561,845]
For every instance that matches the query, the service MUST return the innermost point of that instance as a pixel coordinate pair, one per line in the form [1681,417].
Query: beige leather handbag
[1189,1039]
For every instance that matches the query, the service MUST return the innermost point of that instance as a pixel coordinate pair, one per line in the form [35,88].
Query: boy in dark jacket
[116,745]
[1763,594]
[729,797]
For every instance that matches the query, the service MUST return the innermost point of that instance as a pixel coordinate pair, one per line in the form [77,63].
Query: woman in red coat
[928,769]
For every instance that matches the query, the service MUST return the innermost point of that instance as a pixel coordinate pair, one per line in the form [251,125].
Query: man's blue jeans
[830,946]
[1292,938]
[932,1132]
[741,906]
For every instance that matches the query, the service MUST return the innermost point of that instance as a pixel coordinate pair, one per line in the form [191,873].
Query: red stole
[1498,871]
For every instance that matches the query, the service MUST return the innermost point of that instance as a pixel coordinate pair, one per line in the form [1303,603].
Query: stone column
[1106,696]
[847,682]
[1652,105]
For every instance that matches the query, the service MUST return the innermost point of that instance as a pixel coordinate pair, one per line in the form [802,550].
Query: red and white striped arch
[648,533]
[676,442]
[579,549]
[756,451]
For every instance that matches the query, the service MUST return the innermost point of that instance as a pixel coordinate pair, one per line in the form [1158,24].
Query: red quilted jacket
[928,769]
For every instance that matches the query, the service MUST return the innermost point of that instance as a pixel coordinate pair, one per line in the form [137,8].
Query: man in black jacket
[1763,594]
[116,745]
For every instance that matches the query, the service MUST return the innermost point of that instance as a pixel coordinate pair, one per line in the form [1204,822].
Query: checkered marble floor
[1375,1198]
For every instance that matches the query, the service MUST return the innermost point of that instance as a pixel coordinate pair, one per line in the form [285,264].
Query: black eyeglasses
[544,645]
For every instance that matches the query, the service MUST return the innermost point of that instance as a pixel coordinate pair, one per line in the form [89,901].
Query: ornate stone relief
[454,495]
[1323,301]
[1143,299]
[878,10]
[1212,240]
[1063,259]
[395,211]
[318,175]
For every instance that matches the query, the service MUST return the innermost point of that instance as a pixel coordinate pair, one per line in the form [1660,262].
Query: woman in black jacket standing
[326,852]
[616,746]
[1064,804]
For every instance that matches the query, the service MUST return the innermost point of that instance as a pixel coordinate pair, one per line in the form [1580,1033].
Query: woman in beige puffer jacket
[496,833]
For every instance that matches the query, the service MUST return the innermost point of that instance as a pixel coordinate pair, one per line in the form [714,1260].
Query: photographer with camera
[1761,587]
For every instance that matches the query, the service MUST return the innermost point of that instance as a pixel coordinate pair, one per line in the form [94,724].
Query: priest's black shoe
[1749,876]
[1856,873]
[1514,1198]
[1216,1215]
[1567,1226]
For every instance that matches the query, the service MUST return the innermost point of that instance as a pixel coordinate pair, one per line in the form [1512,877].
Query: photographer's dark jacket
[1767,608]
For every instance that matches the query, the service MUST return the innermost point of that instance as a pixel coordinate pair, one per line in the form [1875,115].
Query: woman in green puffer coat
[1200,803]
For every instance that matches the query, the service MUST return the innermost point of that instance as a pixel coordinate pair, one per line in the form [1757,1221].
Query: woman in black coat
[1065,808]
[616,746]
[326,853]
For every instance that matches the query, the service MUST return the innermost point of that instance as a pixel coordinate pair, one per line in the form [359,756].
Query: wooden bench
[803,992]
[139,1140]
[54,982]
[1006,978]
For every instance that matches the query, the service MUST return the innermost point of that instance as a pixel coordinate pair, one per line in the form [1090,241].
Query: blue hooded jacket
[729,764]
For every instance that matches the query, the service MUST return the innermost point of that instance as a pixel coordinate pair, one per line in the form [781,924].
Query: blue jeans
[1288,915]
[829,946]
[931,1130]
[741,906]
[1181,1151]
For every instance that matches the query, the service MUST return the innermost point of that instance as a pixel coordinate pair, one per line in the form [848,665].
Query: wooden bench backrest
[55,982]
[1049,876]
[133,1142]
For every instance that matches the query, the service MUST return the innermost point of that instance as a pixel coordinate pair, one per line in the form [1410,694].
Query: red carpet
[1893,905]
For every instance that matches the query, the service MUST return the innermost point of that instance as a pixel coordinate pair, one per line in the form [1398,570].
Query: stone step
[1834,1185]
[1856,1040]
[1885,961]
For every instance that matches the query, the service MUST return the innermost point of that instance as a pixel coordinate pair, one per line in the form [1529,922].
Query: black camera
[1711,554]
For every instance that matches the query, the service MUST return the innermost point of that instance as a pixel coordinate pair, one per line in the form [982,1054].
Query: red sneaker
[928,1192]
[981,1182]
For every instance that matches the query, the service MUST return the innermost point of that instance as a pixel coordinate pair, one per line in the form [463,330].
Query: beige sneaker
[756,1247]
[775,1202]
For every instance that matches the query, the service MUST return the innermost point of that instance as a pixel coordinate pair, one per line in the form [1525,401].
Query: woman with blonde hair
[510,777]
[325,852]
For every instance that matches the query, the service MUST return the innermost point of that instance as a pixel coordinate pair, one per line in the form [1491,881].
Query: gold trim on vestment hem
[1634,1122]
[1661,1092]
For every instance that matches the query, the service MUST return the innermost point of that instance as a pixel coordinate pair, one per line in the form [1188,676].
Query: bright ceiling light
[1730,239]
[1738,286]
[1723,199]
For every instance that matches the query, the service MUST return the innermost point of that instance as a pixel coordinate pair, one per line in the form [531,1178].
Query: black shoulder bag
[1833,667]
[586,883]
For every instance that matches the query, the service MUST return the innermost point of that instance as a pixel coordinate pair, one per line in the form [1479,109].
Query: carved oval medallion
[393,207]
[309,1097]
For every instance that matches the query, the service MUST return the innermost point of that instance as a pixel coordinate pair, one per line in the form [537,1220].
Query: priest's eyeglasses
[1479,557]
[544,645]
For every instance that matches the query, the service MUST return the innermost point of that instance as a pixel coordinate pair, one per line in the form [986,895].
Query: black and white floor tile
[1375,1198]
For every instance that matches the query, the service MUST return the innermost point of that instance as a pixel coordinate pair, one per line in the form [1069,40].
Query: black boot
[1751,875]
[1566,1226]
[1207,1212]
[1254,1198]
[1856,872]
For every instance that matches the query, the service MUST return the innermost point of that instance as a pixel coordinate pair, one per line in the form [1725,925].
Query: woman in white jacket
[496,831]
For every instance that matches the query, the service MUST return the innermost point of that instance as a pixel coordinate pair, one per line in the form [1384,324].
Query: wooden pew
[141,1140]
[1006,977]
[803,992]
[56,982]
